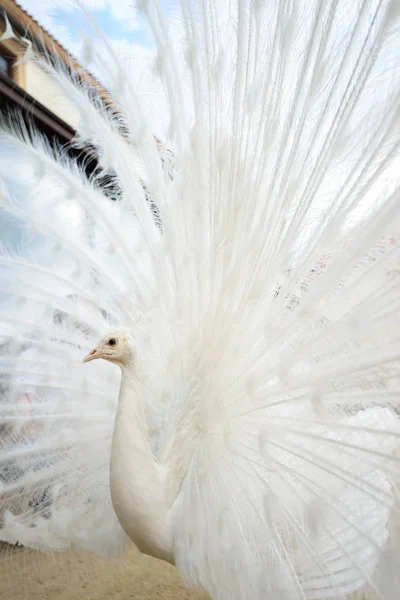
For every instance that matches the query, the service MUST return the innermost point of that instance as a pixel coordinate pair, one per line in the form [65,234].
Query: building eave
[26,26]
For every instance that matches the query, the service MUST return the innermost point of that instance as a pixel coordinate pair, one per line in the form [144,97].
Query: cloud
[62,18]
[122,10]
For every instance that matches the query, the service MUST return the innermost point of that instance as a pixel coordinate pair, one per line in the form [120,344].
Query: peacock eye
[112,342]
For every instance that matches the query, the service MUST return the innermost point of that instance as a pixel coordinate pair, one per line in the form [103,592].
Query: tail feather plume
[253,250]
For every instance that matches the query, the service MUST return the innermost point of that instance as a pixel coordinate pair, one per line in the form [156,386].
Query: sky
[116,18]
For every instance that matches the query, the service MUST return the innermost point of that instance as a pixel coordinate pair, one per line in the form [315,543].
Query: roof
[26,25]
[11,94]
[14,97]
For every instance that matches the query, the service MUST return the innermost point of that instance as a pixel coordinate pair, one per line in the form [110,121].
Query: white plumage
[255,311]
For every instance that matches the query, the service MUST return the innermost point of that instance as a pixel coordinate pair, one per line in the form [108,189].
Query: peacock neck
[138,481]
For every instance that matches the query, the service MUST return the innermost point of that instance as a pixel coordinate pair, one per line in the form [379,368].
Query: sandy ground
[27,575]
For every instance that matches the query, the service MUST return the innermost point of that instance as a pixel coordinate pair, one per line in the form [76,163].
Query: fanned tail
[263,296]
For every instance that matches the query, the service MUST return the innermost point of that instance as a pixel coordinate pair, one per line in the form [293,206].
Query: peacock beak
[92,355]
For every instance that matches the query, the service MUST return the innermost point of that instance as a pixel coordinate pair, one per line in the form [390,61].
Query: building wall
[41,86]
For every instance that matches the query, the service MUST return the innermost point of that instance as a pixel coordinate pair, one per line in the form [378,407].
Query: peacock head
[116,347]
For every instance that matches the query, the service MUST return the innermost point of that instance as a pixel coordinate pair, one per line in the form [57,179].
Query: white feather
[259,449]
